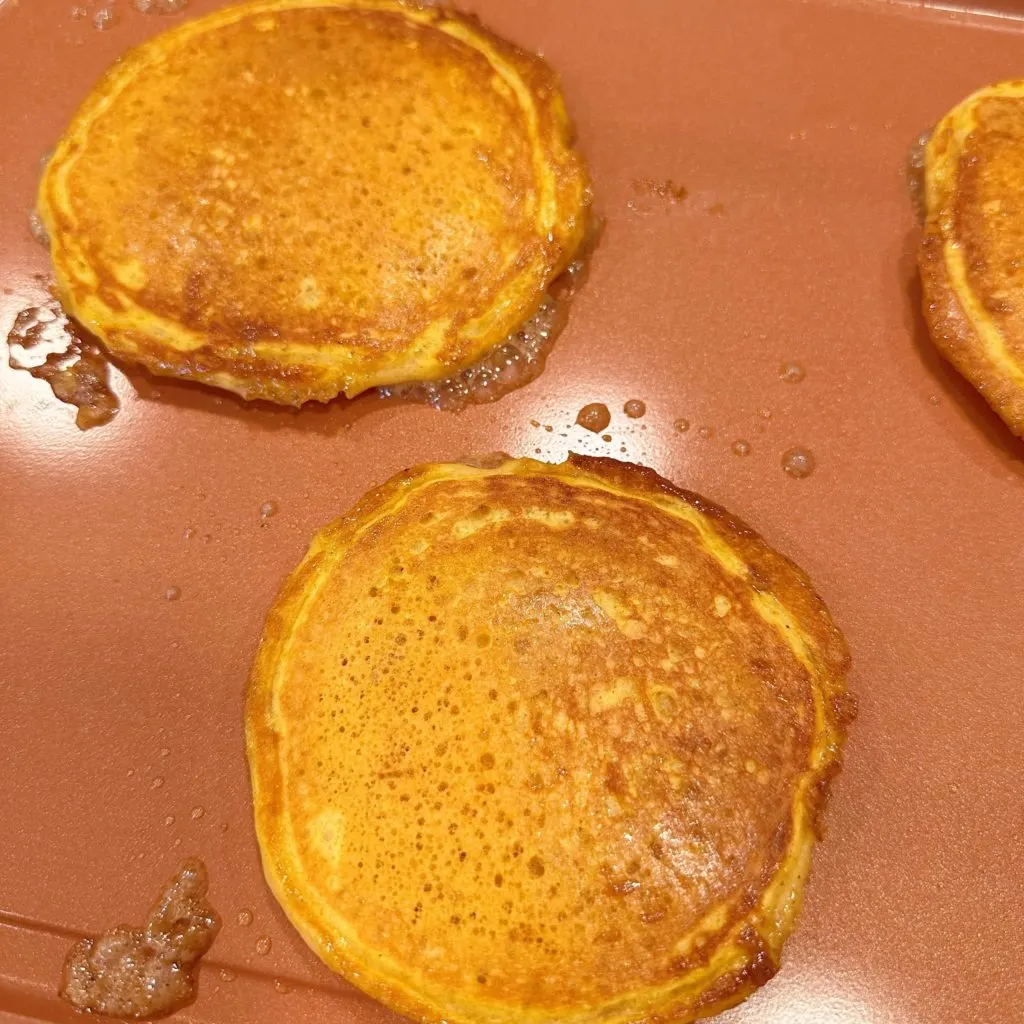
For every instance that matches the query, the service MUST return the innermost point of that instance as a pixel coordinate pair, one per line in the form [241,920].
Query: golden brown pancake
[972,254]
[534,742]
[295,198]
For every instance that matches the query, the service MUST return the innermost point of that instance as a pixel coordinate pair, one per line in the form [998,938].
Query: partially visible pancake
[295,198]
[972,254]
[534,742]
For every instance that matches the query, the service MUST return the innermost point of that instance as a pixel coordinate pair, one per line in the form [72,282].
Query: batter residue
[48,345]
[141,973]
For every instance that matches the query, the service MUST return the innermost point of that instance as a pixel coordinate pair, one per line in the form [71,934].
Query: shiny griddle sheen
[295,198]
[533,742]
[791,121]
[972,253]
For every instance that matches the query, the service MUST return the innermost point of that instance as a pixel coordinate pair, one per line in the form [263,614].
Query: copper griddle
[788,123]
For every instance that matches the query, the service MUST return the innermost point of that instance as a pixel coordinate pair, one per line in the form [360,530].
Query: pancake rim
[750,952]
[957,323]
[294,371]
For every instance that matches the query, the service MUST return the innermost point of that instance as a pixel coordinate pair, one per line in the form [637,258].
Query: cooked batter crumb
[142,973]
[660,189]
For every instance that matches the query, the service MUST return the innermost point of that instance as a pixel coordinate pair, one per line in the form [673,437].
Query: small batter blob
[141,973]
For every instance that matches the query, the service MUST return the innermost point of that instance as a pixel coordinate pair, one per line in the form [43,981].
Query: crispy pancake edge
[955,316]
[132,332]
[746,952]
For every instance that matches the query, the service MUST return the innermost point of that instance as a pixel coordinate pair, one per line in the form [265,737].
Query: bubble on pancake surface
[532,697]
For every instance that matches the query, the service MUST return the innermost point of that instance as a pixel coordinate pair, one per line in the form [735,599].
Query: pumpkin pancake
[539,742]
[972,253]
[295,198]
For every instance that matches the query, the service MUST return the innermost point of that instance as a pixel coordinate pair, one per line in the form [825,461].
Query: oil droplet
[37,229]
[791,373]
[197,813]
[268,509]
[263,945]
[706,432]
[157,783]
[798,462]
[282,986]
[226,975]
[244,917]
[172,593]
[594,417]
[682,426]
[169,820]
[634,408]
[741,447]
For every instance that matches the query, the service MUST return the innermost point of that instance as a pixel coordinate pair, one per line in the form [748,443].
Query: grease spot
[798,462]
[594,417]
[792,373]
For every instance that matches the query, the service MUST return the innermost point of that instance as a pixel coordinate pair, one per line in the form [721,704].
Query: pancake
[295,198]
[972,253]
[539,742]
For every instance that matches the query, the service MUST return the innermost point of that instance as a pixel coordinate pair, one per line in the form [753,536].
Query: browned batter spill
[141,973]
[77,368]
[667,189]
[49,346]
[915,175]
[518,360]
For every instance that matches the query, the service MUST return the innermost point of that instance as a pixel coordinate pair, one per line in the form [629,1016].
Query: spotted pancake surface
[296,198]
[533,741]
[972,254]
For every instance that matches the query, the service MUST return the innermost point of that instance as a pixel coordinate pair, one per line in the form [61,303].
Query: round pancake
[972,253]
[533,742]
[294,198]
